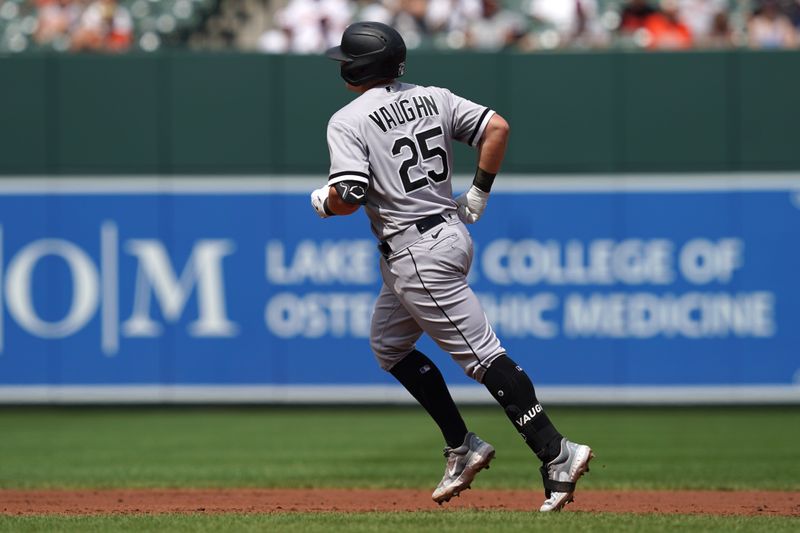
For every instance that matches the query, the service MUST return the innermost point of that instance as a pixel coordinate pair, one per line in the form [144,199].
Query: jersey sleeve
[349,156]
[469,119]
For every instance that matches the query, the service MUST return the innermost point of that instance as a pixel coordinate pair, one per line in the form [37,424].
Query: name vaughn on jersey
[398,113]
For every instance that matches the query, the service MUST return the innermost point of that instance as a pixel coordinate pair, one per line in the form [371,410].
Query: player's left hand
[318,198]
[471,205]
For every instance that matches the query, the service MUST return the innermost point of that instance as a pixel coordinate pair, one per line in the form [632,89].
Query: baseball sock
[423,380]
[513,390]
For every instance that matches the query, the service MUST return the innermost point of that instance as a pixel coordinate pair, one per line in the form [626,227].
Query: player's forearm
[493,144]
[338,206]
[492,149]
[490,154]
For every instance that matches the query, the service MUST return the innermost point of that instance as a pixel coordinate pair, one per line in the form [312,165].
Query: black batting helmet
[370,51]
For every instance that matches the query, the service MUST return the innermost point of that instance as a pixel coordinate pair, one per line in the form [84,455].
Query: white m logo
[156,276]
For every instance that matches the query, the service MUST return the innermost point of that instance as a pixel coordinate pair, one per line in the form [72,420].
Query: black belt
[422,225]
[428,223]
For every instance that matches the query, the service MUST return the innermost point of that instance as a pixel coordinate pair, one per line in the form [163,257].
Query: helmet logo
[401,68]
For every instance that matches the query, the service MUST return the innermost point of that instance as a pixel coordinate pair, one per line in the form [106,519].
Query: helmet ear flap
[356,72]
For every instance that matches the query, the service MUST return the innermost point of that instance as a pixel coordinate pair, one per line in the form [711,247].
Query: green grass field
[469,521]
[709,448]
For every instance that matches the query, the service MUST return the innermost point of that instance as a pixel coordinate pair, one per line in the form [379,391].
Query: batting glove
[471,205]
[318,198]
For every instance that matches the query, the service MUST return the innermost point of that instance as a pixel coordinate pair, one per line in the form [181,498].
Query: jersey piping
[348,175]
[478,127]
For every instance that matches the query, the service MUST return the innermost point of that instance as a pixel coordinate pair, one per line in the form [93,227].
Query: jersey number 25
[427,152]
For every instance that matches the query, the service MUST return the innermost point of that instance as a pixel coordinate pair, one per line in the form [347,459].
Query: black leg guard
[512,388]
[424,381]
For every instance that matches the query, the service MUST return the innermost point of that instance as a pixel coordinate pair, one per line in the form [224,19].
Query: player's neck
[361,89]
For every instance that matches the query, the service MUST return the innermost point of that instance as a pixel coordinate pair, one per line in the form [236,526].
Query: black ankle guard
[513,390]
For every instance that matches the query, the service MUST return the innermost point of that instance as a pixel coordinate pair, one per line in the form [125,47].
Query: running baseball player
[390,151]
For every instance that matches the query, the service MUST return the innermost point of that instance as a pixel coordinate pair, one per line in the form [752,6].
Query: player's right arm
[334,203]
[345,204]
[348,180]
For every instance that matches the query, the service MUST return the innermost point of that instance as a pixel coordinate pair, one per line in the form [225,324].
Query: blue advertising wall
[231,289]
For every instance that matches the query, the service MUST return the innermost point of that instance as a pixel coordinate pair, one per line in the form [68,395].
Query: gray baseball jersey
[397,140]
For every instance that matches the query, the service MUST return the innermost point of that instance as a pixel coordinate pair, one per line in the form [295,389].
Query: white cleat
[463,464]
[562,473]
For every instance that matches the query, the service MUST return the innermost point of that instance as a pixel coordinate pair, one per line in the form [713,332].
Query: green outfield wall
[191,113]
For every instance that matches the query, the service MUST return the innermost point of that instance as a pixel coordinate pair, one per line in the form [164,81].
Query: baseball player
[390,151]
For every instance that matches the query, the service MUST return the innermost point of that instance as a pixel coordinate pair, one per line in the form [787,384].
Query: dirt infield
[78,502]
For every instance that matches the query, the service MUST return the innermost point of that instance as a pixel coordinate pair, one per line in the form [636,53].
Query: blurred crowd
[310,26]
[95,25]
[77,25]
